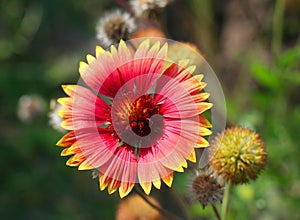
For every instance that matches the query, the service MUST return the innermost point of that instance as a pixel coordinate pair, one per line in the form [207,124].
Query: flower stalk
[216,211]
[225,201]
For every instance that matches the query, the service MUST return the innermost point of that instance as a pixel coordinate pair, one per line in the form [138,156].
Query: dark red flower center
[141,110]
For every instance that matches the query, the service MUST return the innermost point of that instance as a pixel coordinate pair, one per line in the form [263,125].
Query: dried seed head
[237,155]
[206,187]
[29,107]
[114,26]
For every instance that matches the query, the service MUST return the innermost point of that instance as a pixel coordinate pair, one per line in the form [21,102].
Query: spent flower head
[114,26]
[237,155]
[30,106]
[205,187]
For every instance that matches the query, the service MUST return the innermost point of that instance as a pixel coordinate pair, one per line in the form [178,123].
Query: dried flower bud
[29,107]
[206,187]
[237,155]
[146,7]
[114,26]
[134,207]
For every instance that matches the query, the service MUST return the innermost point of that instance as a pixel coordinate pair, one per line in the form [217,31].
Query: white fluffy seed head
[30,106]
[114,26]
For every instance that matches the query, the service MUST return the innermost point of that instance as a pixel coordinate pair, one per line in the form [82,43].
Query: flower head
[138,119]
[237,155]
[206,187]
[114,26]
[30,106]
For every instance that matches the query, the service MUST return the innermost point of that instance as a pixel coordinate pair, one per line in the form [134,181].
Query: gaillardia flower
[237,155]
[137,119]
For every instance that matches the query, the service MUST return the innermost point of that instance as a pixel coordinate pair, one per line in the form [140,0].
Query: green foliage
[274,109]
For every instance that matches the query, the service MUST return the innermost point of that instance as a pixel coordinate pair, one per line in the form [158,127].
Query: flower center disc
[141,110]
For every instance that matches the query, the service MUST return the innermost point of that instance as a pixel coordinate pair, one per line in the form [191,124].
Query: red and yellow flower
[136,118]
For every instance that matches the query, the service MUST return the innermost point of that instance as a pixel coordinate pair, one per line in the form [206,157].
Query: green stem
[164,212]
[277,27]
[225,201]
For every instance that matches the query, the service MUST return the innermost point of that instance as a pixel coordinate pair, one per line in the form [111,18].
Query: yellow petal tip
[157,183]
[125,189]
[99,51]
[168,180]
[90,58]
[82,67]
[192,157]
[146,187]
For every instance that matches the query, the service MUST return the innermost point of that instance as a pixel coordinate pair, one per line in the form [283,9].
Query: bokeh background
[254,48]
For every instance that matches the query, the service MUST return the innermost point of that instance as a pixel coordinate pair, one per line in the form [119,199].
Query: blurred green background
[253,46]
